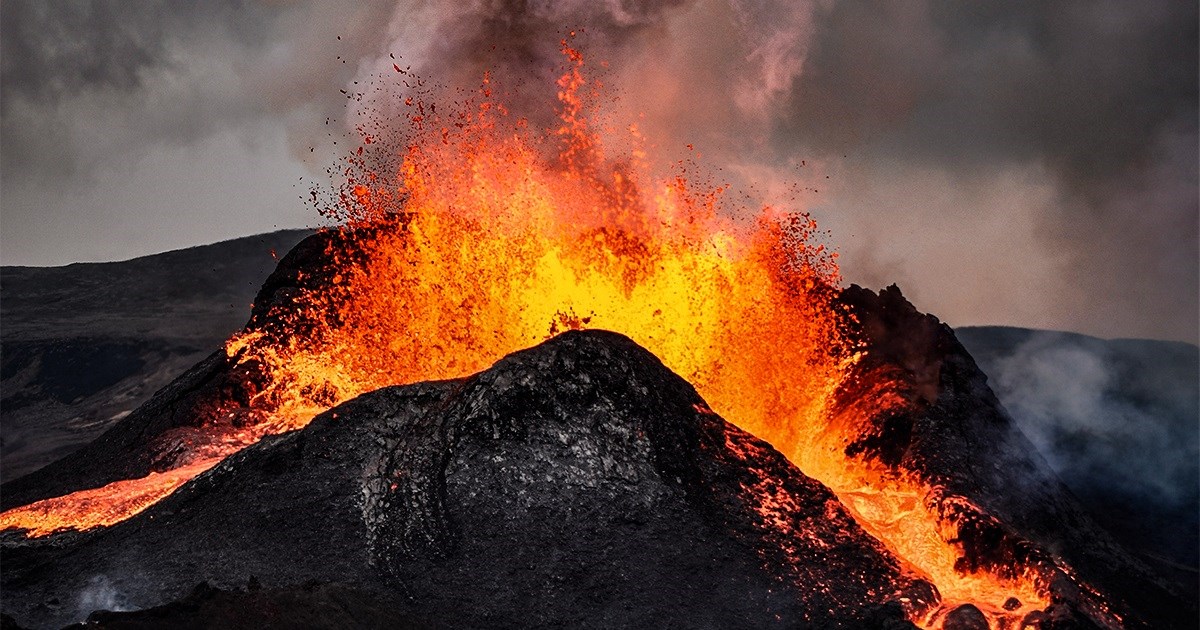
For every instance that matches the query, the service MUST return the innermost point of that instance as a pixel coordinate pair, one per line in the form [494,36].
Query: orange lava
[102,506]
[489,236]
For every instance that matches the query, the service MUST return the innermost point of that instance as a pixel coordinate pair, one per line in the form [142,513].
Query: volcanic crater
[578,483]
[424,424]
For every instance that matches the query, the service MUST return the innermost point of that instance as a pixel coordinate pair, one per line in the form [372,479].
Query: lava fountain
[483,235]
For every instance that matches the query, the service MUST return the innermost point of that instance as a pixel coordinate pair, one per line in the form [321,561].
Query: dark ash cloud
[1028,163]
[1096,99]
[131,128]
[82,81]
[54,50]
[1087,87]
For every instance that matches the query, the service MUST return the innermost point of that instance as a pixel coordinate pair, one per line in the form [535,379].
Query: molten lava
[484,236]
[102,506]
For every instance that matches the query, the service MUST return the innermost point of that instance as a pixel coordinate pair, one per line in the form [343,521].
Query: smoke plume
[1117,420]
[1031,164]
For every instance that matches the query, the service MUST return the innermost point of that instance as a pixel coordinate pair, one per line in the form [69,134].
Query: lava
[483,236]
[100,507]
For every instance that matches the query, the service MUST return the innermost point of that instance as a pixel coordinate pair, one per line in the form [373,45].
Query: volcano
[426,421]
[576,483]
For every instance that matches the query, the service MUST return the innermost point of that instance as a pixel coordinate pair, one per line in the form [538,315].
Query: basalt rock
[580,480]
[965,617]
[311,606]
[1010,507]
[579,483]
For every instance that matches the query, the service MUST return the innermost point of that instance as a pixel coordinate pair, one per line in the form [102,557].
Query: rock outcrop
[579,483]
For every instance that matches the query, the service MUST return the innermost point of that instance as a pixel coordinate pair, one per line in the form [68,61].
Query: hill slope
[579,483]
[84,344]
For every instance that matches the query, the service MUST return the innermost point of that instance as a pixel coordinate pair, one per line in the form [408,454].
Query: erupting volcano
[887,477]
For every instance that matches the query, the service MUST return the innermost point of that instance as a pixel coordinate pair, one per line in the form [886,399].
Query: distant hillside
[1118,420]
[83,344]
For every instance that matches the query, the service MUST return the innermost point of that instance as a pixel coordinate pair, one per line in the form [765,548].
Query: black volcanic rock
[310,606]
[688,514]
[576,484]
[139,443]
[956,437]
[965,617]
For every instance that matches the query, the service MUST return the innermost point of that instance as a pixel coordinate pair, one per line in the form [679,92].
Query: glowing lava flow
[477,244]
[100,507]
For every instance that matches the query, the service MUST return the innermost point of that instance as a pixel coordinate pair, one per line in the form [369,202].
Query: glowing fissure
[477,244]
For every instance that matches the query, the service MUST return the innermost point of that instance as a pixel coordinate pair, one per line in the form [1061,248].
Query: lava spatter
[478,236]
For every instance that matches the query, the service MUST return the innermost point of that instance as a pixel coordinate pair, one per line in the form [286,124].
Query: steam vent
[524,384]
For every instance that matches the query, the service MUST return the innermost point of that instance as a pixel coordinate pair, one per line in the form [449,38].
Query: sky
[1022,163]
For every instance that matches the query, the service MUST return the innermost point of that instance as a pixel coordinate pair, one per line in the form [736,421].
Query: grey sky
[1024,163]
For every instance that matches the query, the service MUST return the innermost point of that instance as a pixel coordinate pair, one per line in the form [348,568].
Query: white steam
[101,594]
